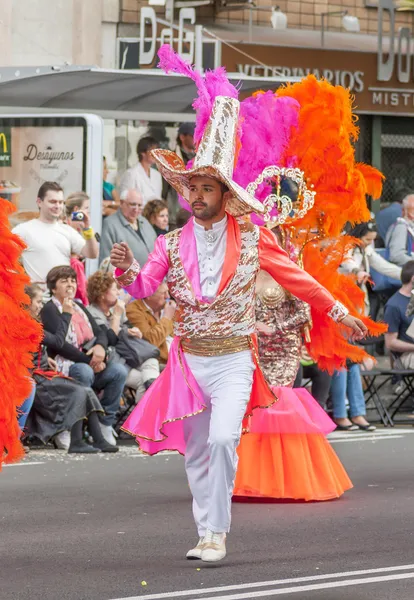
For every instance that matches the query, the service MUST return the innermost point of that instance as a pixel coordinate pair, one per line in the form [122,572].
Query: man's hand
[169,310]
[135,332]
[359,330]
[52,364]
[98,355]
[121,256]
[99,367]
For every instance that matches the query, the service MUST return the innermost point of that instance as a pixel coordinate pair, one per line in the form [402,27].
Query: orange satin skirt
[296,466]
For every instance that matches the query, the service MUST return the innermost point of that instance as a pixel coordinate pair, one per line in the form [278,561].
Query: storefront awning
[95,89]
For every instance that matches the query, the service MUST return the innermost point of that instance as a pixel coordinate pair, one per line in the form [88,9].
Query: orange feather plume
[20,336]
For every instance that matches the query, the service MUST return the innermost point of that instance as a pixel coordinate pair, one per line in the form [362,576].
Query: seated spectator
[109,312]
[156,212]
[109,193]
[128,225]
[388,216]
[154,317]
[143,178]
[49,242]
[363,257]
[321,380]
[78,202]
[61,404]
[400,236]
[83,353]
[347,384]
[400,336]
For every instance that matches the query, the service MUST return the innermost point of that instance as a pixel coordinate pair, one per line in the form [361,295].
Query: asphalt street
[118,527]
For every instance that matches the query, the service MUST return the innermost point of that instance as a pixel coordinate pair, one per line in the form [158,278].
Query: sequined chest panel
[233,311]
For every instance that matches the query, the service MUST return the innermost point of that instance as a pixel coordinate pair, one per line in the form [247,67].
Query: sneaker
[62,440]
[195,553]
[108,434]
[214,547]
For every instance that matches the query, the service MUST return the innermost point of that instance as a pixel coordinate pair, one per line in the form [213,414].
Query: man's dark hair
[48,186]
[146,143]
[407,272]
[63,272]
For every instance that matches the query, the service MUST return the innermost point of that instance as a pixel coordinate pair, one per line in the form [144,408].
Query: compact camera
[78,216]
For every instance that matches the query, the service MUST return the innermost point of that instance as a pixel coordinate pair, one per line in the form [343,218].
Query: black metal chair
[127,405]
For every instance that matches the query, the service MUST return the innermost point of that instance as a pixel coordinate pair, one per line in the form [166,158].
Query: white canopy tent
[111,93]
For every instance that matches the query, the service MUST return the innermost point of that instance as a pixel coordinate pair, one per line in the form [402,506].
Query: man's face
[158,300]
[51,207]
[409,208]
[131,208]
[206,198]
[147,156]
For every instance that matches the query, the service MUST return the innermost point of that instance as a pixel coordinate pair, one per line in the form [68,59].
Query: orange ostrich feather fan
[20,336]
[322,147]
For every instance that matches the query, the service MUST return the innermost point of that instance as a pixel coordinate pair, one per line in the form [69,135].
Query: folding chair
[372,389]
[407,378]
[126,406]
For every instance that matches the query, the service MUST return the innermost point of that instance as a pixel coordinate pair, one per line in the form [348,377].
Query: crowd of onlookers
[98,342]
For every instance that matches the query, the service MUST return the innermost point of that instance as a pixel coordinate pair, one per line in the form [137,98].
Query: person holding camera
[49,242]
[83,356]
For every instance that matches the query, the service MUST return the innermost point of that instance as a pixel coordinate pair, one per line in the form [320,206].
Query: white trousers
[212,436]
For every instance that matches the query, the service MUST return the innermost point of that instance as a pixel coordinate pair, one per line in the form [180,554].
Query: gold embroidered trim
[215,346]
[129,276]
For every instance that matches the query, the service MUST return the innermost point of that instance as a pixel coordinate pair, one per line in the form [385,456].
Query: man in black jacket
[83,354]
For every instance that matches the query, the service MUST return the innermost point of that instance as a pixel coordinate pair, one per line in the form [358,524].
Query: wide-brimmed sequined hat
[215,158]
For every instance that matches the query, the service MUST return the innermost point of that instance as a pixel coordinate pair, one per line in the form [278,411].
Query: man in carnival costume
[212,379]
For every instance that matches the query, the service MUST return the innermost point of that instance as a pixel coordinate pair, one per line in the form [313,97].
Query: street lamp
[349,23]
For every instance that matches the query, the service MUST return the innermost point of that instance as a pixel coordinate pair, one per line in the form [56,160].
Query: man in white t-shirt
[142,177]
[49,242]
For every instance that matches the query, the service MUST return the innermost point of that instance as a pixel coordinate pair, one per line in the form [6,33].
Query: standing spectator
[109,193]
[185,142]
[388,216]
[362,258]
[184,149]
[400,336]
[400,237]
[154,317]
[83,354]
[109,312]
[156,212]
[128,225]
[348,384]
[78,202]
[50,243]
[143,178]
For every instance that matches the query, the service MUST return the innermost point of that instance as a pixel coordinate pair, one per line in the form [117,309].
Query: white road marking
[25,464]
[258,584]
[364,438]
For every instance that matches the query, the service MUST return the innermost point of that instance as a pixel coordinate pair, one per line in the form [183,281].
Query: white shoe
[214,547]
[195,553]
[108,434]
[62,440]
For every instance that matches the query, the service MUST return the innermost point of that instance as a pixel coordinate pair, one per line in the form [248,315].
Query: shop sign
[398,61]
[5,147]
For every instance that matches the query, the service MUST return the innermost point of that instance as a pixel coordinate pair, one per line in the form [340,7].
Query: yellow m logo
[3,140]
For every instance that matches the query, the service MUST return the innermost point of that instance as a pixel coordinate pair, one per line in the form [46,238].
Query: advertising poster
[29,156]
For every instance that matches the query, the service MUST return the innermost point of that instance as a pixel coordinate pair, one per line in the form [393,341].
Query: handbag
[135,351]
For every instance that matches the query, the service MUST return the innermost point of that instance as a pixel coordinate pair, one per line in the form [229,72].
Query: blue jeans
[24,409]
[111,381]
[347,383]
